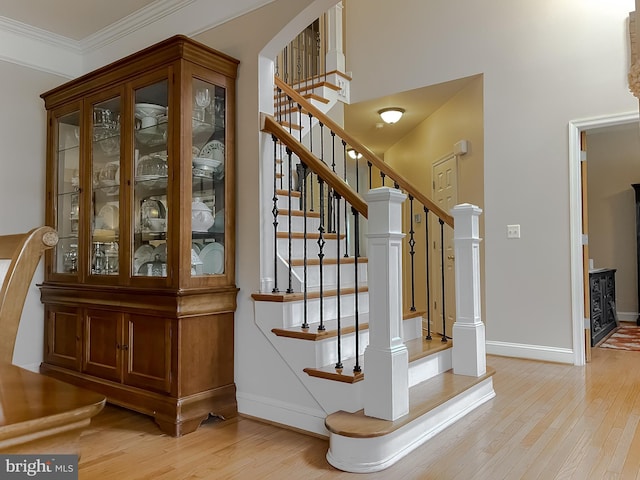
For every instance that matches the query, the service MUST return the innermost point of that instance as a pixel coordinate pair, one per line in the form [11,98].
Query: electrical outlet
[513,231]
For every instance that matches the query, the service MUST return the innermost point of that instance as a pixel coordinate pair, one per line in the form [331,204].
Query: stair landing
[362,444]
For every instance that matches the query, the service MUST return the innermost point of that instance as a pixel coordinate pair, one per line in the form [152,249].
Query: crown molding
[132,23]
[41,50]
[39,35]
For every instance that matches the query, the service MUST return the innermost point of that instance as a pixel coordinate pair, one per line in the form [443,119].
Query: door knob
[451,257]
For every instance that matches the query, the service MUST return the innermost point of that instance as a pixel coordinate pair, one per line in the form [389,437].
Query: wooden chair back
[19,257]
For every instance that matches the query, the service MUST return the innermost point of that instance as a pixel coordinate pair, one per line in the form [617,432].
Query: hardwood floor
[548,421]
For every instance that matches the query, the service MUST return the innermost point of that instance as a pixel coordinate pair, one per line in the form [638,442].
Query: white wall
[22,182]
[545,63]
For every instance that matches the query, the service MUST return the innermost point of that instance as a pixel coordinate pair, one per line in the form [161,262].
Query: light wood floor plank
[548,421]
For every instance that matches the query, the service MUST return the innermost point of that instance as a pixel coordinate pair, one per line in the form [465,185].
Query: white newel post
[335,54]
[386,360]
[469,350]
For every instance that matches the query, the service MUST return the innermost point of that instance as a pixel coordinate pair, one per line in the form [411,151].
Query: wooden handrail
[366,153]
[270,125]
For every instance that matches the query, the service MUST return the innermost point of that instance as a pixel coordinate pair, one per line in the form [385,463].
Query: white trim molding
[45,51]
[531,352]
[38,49]
[576,127]
[282,413]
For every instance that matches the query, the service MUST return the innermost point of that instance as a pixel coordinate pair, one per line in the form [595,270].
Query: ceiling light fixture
[391,115]
[353,154]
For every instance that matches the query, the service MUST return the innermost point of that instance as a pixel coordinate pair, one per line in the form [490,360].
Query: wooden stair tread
[310,235]
[329,372]
[289,125]
[285,193]
[313,334]
[423,398]
[414,314]
[299,262]
[298,213]
[419,347]
[297,296]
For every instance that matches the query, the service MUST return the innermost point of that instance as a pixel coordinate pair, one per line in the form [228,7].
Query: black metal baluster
[357,173]
[339,365]
[383,176]
[444,315]
[279,101]
[274,212]
[344,177]
[412,252]
[356,227]
[300,121]
[303,196]
[426,236]
[321,244]
[290,110]
[311,150]
[333,151]
[370,165]
[289,155]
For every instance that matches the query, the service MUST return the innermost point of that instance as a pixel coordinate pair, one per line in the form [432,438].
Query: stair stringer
[299,354]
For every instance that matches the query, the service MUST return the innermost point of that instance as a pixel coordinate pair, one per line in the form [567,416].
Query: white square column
[469,349]
[386,359]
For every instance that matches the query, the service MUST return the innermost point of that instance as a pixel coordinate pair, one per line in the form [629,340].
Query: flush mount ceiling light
[391,115]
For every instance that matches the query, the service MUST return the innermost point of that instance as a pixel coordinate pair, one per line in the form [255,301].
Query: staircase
[325,318]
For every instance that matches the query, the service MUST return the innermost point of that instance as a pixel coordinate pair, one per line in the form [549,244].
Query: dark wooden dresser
[602,288]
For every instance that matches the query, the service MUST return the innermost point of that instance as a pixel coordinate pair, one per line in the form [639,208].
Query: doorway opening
[579,265]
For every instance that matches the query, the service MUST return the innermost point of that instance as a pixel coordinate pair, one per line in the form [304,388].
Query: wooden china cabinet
[140,291]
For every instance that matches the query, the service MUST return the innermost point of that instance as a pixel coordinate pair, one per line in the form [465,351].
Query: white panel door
[445,194]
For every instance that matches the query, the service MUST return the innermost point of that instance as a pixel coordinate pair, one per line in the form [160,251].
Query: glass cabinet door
[151,209]
[68,191]
[105,176]
[208,188]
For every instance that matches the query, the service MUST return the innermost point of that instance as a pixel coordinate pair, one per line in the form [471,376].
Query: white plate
[214,149]
[143,254]
[212,256]
[150,110]
[108,217]
[207,163]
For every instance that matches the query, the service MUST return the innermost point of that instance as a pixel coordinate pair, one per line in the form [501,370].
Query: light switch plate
[513,231]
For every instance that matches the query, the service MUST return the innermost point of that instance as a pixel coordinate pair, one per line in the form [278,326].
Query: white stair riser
[330,275]
[428,367]
[293,312]
[283,202]
[319,353]
[297,223]
[330,248]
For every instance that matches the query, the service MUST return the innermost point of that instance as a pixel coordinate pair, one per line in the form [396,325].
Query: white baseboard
[283,413]
[531,352]
[627,316]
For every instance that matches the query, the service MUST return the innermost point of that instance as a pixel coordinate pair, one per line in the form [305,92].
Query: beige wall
[413,156]
[544,64]
[22,182]
[613,165]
